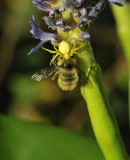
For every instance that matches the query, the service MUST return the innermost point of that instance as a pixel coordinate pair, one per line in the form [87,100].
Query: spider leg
[73,47]
[58,54]
[72,50]
[79,47]
[56,48]
[53,59]
[49,50]
[71,53]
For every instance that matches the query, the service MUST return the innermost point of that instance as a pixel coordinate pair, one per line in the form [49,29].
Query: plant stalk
[102,118]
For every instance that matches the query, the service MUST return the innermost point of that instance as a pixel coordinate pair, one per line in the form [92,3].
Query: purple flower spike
[41,4]
[39,34]
[35,48]
[119,3]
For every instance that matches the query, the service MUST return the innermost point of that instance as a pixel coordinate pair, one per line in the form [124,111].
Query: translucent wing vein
[43,74]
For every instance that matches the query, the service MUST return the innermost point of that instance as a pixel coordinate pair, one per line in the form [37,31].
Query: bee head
[68,65]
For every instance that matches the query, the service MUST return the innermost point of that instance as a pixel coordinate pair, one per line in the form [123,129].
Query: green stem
[122,17]
[103,121]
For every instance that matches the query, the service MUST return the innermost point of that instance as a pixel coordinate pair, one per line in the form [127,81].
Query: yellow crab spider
[64,51]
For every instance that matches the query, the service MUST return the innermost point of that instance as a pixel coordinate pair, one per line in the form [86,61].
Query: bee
[66,72]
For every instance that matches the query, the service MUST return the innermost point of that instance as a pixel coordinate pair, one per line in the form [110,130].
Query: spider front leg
[79,47]
[73,52]
[50,50]
[75,49]
[53,59]
[56,48]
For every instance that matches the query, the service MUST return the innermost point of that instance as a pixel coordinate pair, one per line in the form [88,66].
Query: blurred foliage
[44,102]
[123,30]
[30,141]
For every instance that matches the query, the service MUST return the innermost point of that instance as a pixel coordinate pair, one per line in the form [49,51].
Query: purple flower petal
[36,48]
[82,21]
[42,4]
[99,4]
[85,36]
[36,31]
[39,34]
[50,22]
[118,2]
[92,13]
[78,3]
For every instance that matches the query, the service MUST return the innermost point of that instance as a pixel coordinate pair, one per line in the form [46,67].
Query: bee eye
[69,66]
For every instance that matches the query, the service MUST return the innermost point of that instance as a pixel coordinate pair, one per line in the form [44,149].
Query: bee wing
[44,73]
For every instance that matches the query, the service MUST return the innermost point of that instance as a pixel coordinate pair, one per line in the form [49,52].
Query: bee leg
[50,50]
[89,70]
[55,76]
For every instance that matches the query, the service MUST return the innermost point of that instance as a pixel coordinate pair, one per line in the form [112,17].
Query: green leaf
[21,140]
